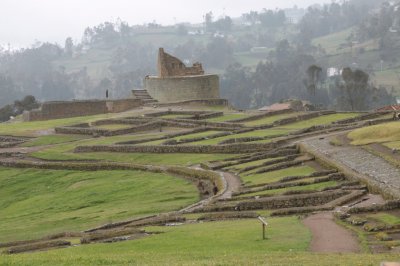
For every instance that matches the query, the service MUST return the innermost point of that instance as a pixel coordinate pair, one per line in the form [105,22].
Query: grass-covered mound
[382,133]
[34,203]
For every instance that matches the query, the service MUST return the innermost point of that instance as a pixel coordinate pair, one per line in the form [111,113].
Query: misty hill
[116,56]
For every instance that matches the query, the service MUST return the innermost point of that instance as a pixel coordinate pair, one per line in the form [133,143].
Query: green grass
[114,126]
[52,139]
[393,145]
[228,117]
[317,186]
[37,128]
[258,133]
[321,120]
[275,176]
[213,243]
[34,203]
[65,152]
[195,135]
[252,163]
[188,243]
[389,132]
[271,119]
[386,218]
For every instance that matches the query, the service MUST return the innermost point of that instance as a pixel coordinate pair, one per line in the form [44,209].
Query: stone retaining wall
[55,110]
[208,149]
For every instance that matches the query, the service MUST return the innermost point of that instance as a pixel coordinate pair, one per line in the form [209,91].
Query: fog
[24,21]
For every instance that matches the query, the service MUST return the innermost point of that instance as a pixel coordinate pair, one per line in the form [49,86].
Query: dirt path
[329,236]
[232,184]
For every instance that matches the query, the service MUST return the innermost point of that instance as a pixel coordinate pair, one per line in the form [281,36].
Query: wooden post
[264,225]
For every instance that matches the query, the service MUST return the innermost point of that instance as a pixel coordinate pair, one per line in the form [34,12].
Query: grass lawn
[393,145]
[36,128]
[34,202]
[114,126]
[252,163]
[389,132]
[317,186]
[211,243]
[53,139]
[275,176]
[321,120]
[258,133]
[65,152]
[227,117]
[386,218]
[271,119]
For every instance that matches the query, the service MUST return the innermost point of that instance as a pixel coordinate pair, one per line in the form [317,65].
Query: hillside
[189,188]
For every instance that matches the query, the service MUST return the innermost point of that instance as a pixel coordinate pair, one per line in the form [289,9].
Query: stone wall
[170,66]
[208,149]
[176,89]
[65,109]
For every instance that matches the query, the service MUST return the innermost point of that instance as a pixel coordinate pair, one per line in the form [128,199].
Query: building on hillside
[177,82]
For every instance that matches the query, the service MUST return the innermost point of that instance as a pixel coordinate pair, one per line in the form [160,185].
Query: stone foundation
[186,88]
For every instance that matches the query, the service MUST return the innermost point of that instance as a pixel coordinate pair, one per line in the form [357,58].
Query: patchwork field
[197,196]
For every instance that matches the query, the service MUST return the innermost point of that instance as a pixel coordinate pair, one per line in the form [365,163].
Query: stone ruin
[170,66]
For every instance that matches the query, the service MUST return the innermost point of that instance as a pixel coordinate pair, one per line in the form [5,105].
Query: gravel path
[329,236]
[376,169]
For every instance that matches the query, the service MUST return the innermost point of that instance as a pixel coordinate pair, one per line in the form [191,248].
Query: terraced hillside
[186,184]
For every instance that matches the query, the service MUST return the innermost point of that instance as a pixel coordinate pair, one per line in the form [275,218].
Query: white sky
[24,21]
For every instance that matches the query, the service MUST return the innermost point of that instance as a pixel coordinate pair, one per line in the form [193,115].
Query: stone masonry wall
[65,109]
[175,89]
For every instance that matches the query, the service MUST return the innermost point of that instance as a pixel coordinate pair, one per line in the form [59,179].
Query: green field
[52,139]
[37,128]
[274,176]
[34,203]
[321,120]
[382,133]
[270,119]
[317,186]
[272,132]
[228,117]
[212,243]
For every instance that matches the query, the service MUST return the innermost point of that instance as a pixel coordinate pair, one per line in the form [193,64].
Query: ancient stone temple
[177,82]
[170,66]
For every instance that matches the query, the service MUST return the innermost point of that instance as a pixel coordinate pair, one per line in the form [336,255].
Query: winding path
[329,236]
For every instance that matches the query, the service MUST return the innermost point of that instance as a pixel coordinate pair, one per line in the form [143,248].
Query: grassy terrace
[52,139]
[252,163]
[321,120]
[274,176]
[65,152]
[228,117]
[272,132]
[195,135]
[34,203]
[38,127]
[212,243]
[270,119]
[384,133]
[317,186]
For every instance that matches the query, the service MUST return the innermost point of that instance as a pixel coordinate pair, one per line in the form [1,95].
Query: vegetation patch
[389,132]
[34,203]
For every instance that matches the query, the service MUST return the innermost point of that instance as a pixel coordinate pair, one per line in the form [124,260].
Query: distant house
[389,108]
[333,72]
[295,105]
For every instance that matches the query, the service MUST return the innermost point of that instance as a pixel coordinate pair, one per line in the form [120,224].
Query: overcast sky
[24,21]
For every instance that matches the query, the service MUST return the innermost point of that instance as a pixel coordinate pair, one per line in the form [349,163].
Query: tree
[355,89]
[68,47]
[181,30]
[313,78]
